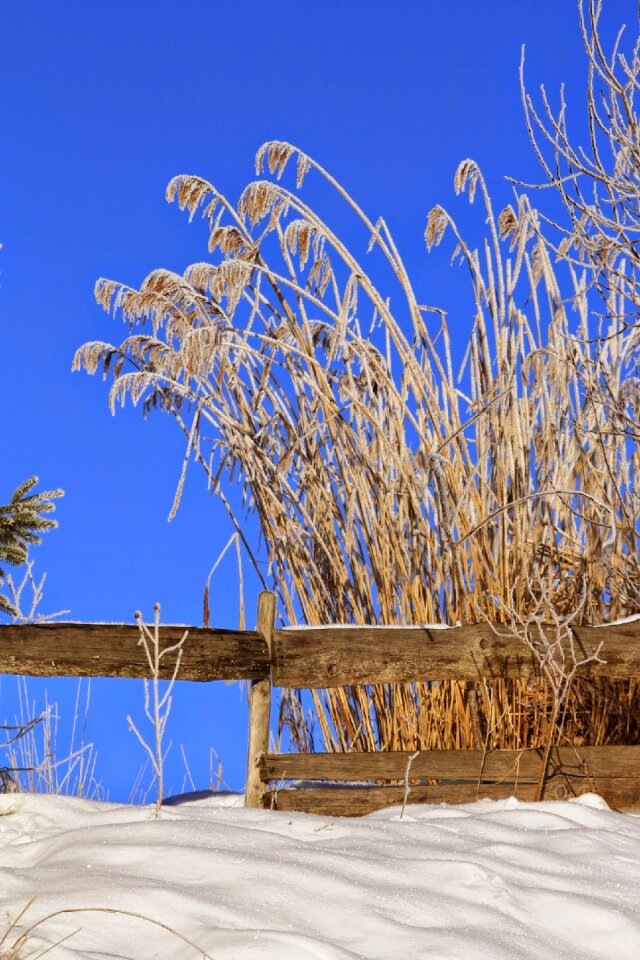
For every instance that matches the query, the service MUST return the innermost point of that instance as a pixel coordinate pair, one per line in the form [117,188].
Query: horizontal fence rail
[309,657]
[475,765]
[452,776]
[112,650]
[358,801]
[312,657]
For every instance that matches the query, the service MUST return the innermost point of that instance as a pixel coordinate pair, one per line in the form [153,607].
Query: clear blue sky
[101,104]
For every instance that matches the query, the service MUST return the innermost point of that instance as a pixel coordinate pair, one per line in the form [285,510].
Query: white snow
[493,880]
[616,623]
[297,627]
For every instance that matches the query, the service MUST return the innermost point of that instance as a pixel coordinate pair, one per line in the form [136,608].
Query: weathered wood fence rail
[112,650]
[316,657]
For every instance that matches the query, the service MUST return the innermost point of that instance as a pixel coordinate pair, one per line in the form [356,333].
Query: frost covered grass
[34,757]
[394,476]
[501,880]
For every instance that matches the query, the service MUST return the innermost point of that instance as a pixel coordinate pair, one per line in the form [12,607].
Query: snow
[493,880]
[297,627]
[616,623]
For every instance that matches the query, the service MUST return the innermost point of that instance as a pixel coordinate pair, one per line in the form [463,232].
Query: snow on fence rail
[316,657]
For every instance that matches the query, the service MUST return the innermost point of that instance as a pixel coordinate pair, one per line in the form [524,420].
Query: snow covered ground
[494,880]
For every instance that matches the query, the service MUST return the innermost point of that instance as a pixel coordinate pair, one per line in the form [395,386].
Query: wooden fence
[316,657]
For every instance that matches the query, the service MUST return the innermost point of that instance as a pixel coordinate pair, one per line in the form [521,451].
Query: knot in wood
[559,791]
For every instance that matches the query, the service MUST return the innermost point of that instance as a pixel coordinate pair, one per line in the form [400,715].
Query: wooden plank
[509,765]
[619,792]
[259,708]
[111,650]
[358,801]
[347,655]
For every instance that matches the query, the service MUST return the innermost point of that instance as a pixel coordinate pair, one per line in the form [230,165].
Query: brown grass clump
[390,487]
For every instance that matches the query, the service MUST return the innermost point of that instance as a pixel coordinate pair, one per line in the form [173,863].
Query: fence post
[259,707]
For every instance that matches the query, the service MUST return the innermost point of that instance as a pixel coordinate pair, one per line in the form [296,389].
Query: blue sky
[101,104]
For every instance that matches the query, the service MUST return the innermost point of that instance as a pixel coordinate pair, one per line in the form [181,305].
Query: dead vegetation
[389,486]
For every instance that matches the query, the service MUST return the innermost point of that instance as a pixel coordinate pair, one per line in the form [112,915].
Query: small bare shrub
[157,704]
[548,635]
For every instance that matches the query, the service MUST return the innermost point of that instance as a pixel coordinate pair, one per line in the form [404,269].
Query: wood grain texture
[112,650]
[522,766]
[315,657]
[349,655]
[358,801]
[259,708]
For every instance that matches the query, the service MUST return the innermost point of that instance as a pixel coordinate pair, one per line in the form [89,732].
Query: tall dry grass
[389,486]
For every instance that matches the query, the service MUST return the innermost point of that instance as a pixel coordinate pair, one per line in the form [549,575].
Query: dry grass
[390,487]
[36,759]
[18,940]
